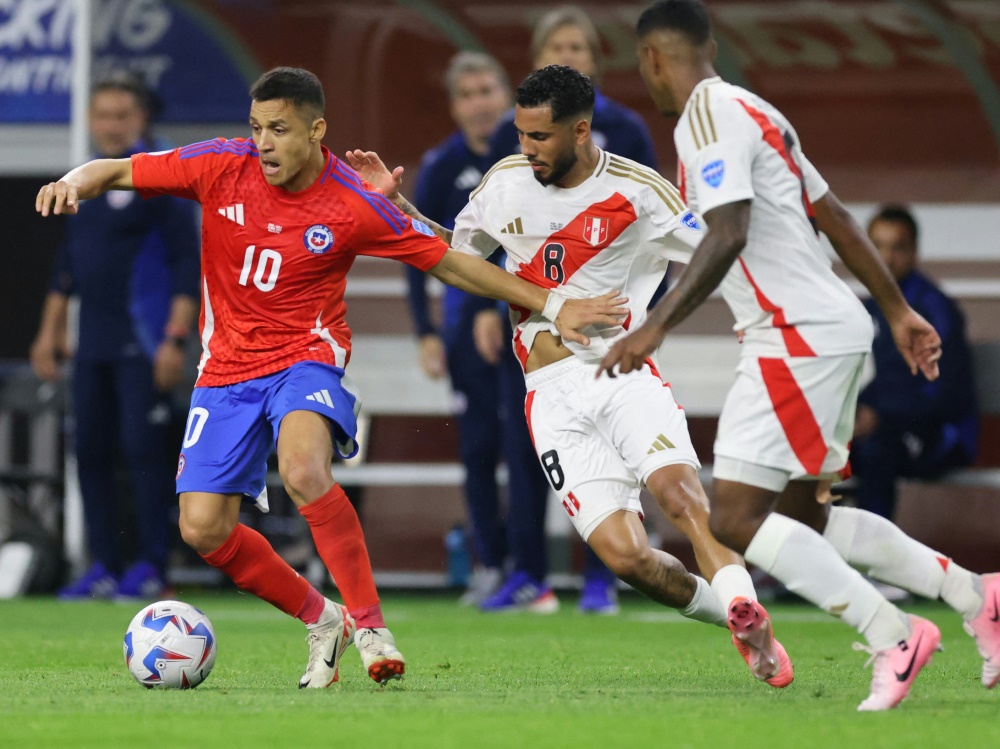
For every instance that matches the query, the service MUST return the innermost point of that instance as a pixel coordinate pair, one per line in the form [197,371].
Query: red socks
[337,533]
[250,561]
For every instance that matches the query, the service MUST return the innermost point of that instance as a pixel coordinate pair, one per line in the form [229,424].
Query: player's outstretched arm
[87,181]
[722,244]
[375,172]
[476,276]
[915,338]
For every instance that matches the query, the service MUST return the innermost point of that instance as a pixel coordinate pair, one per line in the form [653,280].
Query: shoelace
[369,641]
[873,654]
[313,639]
[366,639]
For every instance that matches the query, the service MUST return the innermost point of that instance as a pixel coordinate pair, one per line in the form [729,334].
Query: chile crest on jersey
[318,239]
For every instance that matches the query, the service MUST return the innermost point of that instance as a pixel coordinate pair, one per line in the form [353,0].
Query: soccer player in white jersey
[786,422]
[577,219]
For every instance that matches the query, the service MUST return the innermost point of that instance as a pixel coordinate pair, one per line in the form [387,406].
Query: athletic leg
[305,452]
[810,566]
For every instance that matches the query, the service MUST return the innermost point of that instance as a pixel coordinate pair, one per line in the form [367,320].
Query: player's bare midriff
[546,349]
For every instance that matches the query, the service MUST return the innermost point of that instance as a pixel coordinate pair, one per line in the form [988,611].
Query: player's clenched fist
[58,198]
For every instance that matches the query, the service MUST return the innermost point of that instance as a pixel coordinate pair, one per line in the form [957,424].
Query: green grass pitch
[646,678]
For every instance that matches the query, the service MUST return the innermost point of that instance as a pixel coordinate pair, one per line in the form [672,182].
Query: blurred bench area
[412,439]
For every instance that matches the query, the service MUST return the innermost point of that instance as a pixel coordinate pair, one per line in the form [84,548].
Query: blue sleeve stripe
[375,199]
[201,144]
[389,206]
[378,209]
[329,169]
[215,147]
[228,145]
[350,174]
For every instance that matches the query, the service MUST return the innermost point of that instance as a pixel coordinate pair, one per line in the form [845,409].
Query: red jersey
[274,263]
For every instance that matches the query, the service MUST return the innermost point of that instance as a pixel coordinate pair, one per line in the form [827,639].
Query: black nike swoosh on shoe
[996,609]
[913,658]
[333,661]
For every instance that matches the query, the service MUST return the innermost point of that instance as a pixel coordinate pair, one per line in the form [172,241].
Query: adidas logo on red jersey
[233,213]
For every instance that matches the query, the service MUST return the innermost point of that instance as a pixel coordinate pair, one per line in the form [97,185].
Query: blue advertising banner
[194,64]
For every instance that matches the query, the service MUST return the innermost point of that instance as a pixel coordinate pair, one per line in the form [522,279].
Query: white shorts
[788,419]
[600,439]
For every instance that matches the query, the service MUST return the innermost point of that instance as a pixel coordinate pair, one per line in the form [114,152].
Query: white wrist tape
[553,304]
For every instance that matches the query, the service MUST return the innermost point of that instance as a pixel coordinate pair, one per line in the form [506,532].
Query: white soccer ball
[170,645]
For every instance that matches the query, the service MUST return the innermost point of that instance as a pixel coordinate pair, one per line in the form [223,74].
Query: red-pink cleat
[754,639]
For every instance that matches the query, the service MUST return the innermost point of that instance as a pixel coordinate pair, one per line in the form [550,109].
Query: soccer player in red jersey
[283,221]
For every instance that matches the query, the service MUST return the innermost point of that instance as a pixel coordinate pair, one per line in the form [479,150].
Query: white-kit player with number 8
[583,221]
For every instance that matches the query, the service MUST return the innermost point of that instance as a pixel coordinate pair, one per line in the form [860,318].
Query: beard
[560,168]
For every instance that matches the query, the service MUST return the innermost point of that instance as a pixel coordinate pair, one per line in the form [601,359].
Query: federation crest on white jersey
[170,645]
[595,230]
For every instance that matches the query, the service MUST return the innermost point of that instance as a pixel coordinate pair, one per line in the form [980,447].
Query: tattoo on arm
[410,210]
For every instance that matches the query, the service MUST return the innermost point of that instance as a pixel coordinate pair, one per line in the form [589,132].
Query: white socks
[811,567]
[733,581]
[705,607]
[879,548]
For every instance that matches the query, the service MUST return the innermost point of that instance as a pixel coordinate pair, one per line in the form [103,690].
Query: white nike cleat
[379,655]
[328,639]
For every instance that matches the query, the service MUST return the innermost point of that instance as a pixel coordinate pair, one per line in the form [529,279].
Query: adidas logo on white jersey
[659,444]
[233,213]
[514,227]
[321,396]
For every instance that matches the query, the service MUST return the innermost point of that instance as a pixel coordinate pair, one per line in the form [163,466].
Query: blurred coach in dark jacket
[905,425]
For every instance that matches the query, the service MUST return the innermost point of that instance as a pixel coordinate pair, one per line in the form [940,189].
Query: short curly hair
[569,92]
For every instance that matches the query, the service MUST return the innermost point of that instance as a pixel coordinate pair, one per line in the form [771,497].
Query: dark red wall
[879,102]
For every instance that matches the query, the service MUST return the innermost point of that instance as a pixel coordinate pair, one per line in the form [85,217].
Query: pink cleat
[896,668]
[985,628]
[754,639]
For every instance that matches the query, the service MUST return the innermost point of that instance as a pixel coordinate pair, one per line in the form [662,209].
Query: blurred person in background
[906,425]
[567,36]
[133,265]
[563,36]
[479,92]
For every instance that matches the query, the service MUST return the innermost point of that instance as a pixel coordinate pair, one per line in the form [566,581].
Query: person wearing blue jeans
[479,93]
[134,266]
[563,36]
[905,425]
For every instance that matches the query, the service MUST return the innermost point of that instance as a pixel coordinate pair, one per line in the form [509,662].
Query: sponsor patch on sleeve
[690,221]
[713,173]
[423,228]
